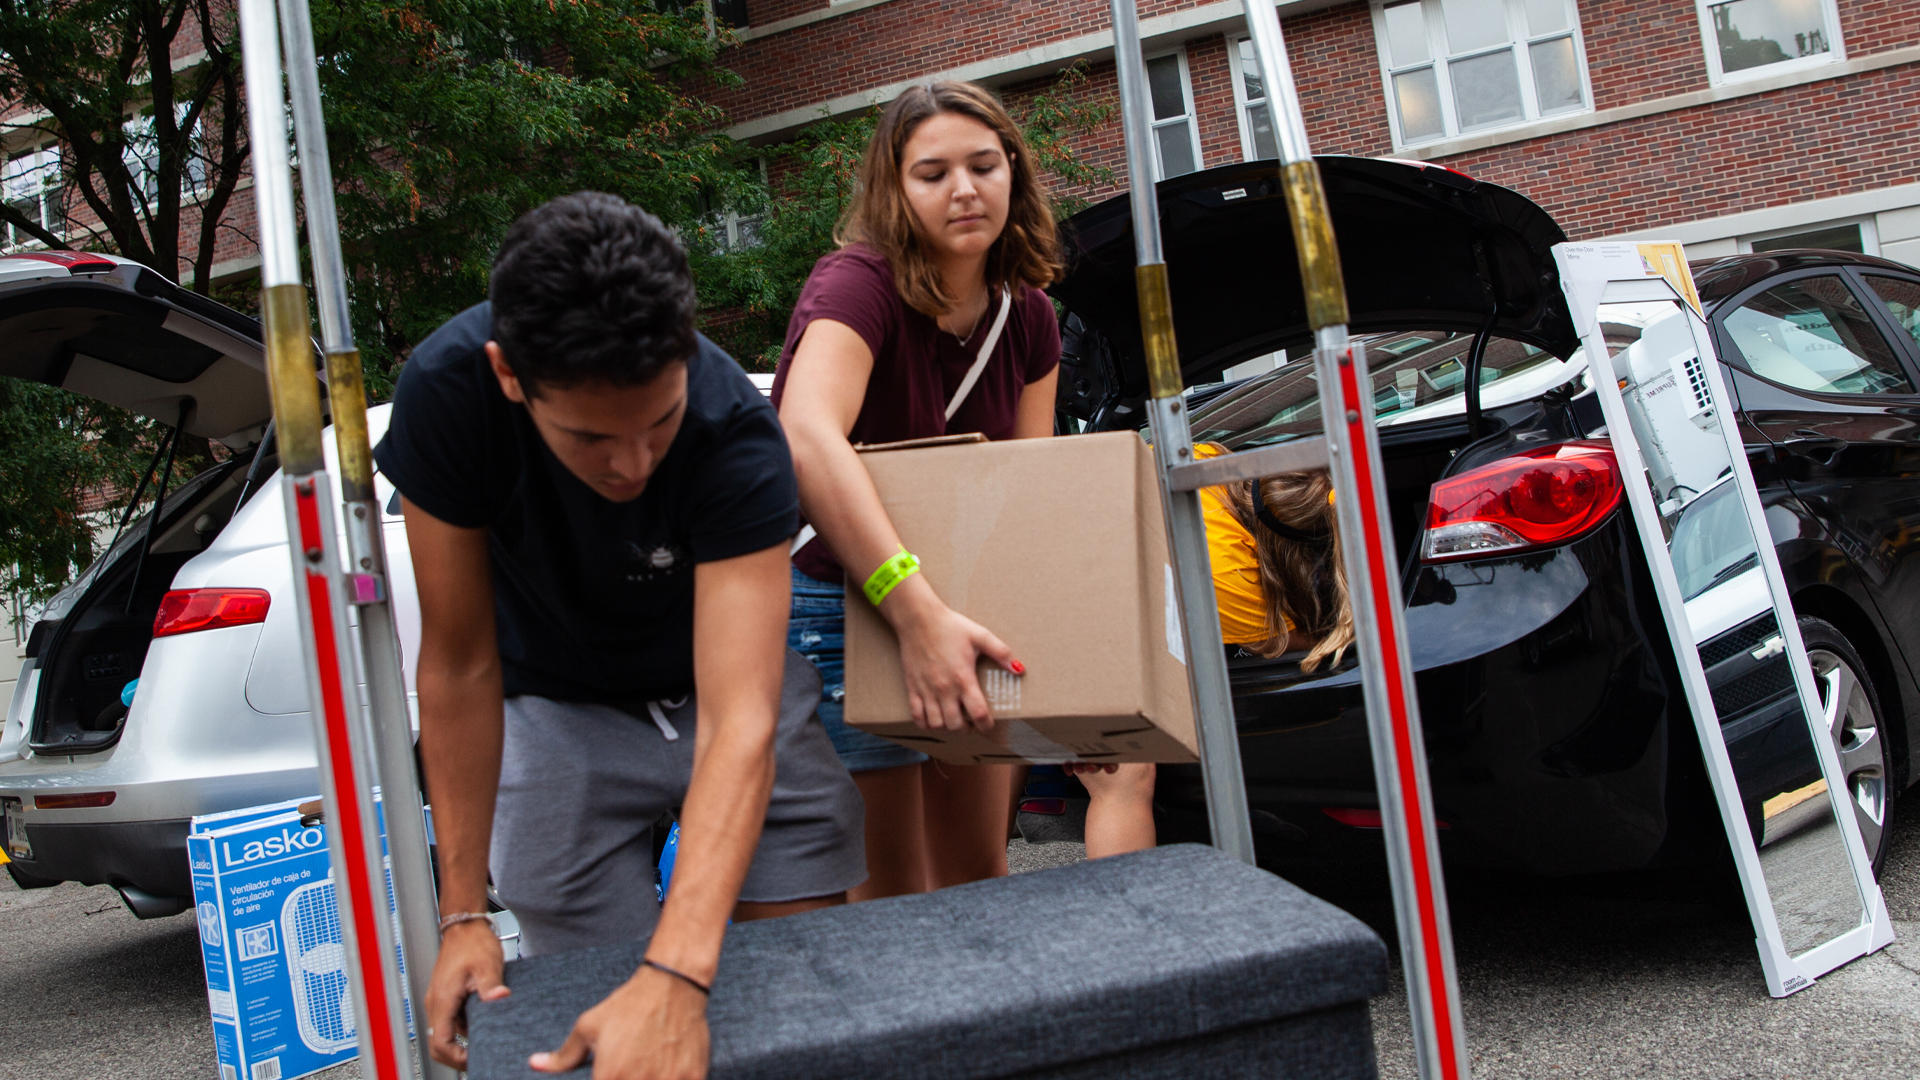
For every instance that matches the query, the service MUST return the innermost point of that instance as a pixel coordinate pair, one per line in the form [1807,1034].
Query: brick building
[32,182]
[1726,124]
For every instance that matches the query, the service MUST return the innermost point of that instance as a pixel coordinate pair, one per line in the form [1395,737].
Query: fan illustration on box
[317,962]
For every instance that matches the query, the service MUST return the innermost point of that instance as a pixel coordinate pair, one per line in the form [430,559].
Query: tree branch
[31,227]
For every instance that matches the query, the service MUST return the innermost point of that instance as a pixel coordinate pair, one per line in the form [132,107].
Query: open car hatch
[1421,247]
[114,331]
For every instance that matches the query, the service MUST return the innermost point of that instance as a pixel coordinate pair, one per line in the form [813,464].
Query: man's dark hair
[590,288]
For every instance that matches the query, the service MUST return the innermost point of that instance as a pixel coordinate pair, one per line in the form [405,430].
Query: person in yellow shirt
[1277,576]
[1277,579]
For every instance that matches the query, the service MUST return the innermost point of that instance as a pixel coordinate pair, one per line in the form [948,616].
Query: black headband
[1280,528]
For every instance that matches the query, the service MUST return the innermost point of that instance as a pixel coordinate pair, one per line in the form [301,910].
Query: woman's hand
[939,651]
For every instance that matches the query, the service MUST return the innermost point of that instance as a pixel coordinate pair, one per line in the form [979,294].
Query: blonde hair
[1028,249]
[1303,580]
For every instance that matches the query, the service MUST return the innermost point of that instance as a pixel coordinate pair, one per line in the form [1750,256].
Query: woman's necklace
[977,320]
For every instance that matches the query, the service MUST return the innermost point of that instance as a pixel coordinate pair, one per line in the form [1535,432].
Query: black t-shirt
[594,598]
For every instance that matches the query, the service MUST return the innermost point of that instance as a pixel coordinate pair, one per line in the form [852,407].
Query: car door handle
[1817,445]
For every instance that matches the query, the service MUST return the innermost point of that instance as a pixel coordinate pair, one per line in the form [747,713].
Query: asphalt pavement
[1558,981]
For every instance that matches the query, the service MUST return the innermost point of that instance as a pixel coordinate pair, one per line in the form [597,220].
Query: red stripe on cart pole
[1411,802]
[346,786]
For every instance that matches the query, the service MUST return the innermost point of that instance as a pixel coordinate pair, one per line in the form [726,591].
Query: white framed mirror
[1753,694]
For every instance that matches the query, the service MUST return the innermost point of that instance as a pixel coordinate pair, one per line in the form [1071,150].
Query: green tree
[147,150]
[59,452]
[756,286]
[447,119]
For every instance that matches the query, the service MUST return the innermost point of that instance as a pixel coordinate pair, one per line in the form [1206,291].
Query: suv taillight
[1535,499]
[182,611]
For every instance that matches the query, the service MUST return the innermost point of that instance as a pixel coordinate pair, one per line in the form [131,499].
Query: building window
[142,157]
[1257,142]
[1749,39]
[32,186]
[1452,67]
[730,229]
[1859,235]
[1176,139]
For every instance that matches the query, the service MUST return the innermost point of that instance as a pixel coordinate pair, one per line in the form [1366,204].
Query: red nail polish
[1019,668]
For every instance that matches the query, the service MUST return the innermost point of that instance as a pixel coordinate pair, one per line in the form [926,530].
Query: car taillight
[1365,818]
[182,611]
[73,802]
[1354,816]
[1534,499]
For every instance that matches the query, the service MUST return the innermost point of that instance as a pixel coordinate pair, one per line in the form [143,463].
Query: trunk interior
[100,644]
[1414,458]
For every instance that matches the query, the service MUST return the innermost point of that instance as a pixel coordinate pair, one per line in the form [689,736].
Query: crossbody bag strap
[807,532]
[986,350]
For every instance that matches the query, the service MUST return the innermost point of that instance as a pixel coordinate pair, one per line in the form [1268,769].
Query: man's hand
[653,1028]
[470,963]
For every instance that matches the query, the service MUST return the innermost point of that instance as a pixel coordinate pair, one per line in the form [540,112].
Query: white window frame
[28,242]
[140,126]
[1710,43]
[1439,59]
[1189,118]
[1869,233]
[1237,67]
[731,227]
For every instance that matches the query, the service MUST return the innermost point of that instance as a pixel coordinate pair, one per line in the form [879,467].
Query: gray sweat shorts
[582,785]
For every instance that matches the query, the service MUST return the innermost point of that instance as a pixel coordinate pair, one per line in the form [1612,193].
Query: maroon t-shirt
[916,365]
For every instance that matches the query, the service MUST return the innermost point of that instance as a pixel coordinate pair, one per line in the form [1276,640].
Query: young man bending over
[599,503]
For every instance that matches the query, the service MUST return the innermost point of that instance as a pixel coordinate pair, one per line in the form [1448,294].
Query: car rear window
[1414,374]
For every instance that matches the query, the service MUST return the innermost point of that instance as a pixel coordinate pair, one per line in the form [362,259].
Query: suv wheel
[1852,718]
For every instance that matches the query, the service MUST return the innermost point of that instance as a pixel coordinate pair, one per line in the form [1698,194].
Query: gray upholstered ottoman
[1174,962]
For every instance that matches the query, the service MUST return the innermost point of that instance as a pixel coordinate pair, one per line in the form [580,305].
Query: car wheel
[1852,718]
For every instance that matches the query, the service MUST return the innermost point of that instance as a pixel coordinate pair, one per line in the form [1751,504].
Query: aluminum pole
[415,896]
[1373,585]
[345,754]
[1219,739]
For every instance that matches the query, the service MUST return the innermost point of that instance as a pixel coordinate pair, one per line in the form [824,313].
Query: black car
[1559,737]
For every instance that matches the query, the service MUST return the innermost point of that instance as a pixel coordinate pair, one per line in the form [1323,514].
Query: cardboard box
[1059,547]
[270,937]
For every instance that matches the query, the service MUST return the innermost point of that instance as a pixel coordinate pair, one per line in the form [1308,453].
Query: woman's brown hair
[1028,250]
[1302,578]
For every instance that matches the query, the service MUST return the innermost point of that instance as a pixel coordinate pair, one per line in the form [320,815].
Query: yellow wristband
[892,572]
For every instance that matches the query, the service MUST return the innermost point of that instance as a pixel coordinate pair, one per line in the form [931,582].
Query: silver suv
[192,601]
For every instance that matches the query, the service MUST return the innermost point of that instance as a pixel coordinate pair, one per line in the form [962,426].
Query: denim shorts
[817,630]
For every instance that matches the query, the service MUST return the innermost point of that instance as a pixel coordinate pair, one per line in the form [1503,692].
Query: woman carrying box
[929,320]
